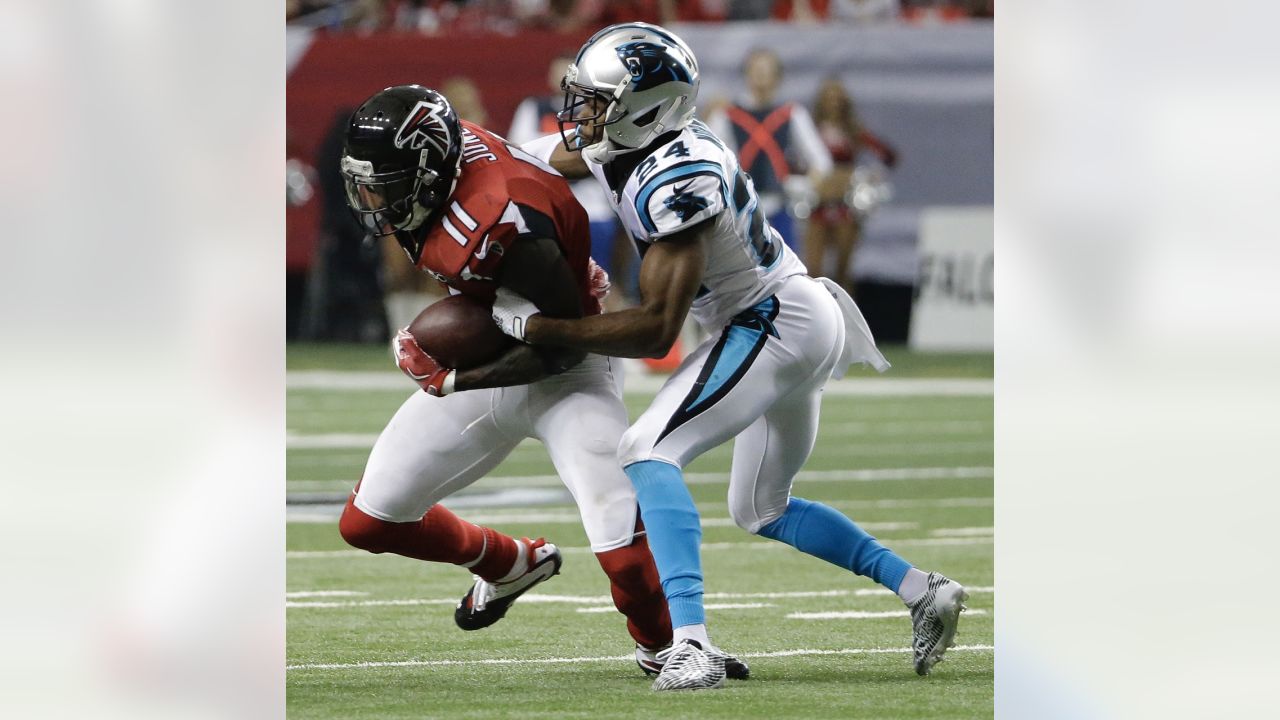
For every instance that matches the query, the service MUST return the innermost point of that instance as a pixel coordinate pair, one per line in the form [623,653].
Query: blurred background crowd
[444,16]
[855,118]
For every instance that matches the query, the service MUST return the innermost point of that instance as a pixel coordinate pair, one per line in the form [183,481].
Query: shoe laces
[665,654]
[481,593]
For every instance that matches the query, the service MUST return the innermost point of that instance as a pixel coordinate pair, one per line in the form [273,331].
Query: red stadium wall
[338,71]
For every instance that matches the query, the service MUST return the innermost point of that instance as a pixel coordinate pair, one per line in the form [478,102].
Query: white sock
[914,583]
[692,632]
[483,549]
[521,565]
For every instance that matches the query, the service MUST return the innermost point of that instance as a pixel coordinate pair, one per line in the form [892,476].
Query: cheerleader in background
[849,192]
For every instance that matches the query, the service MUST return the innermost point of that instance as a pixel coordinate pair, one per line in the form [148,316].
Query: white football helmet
[634,80]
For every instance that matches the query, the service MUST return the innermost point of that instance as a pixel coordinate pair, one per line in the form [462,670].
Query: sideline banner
[955,288]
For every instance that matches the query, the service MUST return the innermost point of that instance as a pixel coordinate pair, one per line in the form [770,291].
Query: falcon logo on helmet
[425,125]
[402,153]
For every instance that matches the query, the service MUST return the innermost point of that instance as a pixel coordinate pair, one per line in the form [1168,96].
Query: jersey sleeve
[542,147]
[680,196]
[506,222]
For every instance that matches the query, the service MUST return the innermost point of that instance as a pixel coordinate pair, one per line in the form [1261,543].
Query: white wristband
[446,387]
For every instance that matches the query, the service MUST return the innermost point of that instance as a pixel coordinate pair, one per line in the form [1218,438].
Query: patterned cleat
[485,603]
[686,666]
[734,669]
[934,617]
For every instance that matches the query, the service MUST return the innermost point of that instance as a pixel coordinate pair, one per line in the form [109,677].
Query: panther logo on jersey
[650,65]
[424,126]
[685,204]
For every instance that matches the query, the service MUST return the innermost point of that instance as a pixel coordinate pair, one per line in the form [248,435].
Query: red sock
[637,591]
[440,536]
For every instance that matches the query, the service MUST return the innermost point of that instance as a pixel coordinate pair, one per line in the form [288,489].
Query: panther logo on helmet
[651,64]
[425,126]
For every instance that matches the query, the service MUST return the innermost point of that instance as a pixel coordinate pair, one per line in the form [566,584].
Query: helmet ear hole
[647,117]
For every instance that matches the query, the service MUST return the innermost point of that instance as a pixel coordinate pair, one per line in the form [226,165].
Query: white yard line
[295,440]
[861,614]
[601,599]
[324,593]
[862,475]
[706,547]
[963,532]
[708,606]
[607,658]
[886,504]
[899,427]
[364,441]
[953,502]
[325,460]
[325,515]
[938,541]
[649,384]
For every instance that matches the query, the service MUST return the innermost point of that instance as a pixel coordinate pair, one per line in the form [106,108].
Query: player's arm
[569,163]
[536,269]
[670,275]
[550,149]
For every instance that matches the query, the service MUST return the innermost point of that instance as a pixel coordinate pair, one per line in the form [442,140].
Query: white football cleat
[486,603]
[734,669]
[934,617]
[686,666]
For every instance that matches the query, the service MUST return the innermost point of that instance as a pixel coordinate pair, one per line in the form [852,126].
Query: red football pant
[440,536]
[637,591]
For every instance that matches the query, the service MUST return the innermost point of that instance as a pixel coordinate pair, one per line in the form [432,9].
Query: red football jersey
[503,194]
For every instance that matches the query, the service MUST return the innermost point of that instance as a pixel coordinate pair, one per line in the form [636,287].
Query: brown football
[459,332]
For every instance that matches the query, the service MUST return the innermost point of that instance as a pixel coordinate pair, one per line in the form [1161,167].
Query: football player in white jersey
[778,335]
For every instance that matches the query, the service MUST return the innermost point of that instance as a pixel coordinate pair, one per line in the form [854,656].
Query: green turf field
[379,640]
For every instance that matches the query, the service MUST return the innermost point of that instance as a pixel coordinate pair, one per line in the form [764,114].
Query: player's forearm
[520,365]
[633,333]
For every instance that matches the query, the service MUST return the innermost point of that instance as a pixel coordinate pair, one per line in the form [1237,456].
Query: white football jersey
[686,178]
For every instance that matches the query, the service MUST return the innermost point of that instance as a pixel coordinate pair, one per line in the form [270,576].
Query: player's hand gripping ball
[457,332]
[417,364]
[599,280]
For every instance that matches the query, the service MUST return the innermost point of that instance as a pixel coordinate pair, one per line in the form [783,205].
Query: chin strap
[604,151]
[597,153]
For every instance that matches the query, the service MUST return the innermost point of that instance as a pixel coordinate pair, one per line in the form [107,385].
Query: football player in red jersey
[477,213]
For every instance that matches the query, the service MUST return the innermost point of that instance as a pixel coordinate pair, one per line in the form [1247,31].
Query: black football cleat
[486,603]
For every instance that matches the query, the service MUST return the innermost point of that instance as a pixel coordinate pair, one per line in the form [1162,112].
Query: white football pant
[435,446]
[760,381]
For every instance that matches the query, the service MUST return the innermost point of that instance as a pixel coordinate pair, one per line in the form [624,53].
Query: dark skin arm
[670,275]
[536,269]
[569,163]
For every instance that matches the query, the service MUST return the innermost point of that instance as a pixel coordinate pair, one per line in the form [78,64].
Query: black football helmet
[400,161]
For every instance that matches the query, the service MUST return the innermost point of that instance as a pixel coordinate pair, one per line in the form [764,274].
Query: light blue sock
[671,521]
[824,532]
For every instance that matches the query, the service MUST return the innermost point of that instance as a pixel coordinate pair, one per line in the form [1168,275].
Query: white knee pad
[748,516]
[635,446]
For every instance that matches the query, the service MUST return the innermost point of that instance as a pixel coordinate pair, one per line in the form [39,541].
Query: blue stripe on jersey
[683,170]
[739,345]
